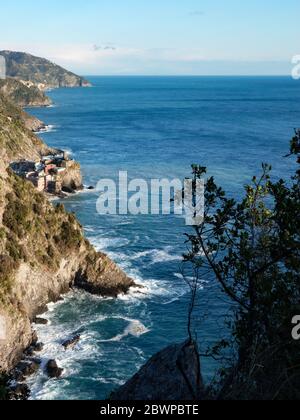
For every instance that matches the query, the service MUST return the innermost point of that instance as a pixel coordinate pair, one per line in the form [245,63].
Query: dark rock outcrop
[25,369]
[53,370]
[40,321]
[70,344]
[171,375]
[35,348]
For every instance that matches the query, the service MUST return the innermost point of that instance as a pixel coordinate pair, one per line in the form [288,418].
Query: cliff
[71,179]
[171,375]
[16,138]
[43,252]
[42,72]
[22,95]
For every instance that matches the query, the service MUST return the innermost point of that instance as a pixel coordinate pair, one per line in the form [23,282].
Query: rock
[35,338]
[91,188]
[171,375]
[40,321]
[70,344]
[71,178]
[68,190]
[29,351]
[53,370]
[19,392]
[25,368]
[36,348]
[39,347]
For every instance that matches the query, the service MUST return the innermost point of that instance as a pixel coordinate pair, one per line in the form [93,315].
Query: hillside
[26,67]
[43,252]
[16,138]
[22,95]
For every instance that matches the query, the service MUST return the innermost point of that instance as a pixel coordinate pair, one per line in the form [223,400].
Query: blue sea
[153,127]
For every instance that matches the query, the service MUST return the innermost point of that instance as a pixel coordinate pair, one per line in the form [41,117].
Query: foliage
[252,249]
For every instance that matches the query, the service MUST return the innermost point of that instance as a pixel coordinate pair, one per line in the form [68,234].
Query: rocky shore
[43,252]
[174,374]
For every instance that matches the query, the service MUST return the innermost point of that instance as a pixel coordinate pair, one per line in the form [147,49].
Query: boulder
[53,370]
[171,375]
[70,344]
[35,348]
[40,321]
[38,347]
[68,190]
[26,368]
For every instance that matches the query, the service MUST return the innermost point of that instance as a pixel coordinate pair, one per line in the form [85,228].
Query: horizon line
[188,75]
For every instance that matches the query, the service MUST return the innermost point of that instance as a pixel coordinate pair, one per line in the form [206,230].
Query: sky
[156,37]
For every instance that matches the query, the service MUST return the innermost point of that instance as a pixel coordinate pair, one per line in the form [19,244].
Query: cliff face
[13,114]
[43,252]
[22,95]
[27,67]
[171,375]
[71,178]
[16,139]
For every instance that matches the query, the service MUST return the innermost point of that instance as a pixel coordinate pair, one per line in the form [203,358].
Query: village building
[44,174]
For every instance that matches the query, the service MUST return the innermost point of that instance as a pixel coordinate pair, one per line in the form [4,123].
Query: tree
[252,250]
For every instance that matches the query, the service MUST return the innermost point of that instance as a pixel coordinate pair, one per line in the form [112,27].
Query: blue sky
[156,36]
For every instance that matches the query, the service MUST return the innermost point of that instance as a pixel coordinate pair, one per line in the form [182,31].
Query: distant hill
[26,67]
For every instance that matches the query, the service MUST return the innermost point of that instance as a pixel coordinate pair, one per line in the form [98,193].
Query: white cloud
[108,58]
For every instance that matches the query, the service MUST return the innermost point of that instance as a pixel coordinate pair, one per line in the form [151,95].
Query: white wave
[158,255]
[48,129]
[103,243]
[180,276]
[135,329]
[89,229]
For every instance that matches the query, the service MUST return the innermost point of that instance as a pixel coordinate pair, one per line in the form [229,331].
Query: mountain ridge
[44,73]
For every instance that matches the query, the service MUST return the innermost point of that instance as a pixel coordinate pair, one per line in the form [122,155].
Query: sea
[153,127]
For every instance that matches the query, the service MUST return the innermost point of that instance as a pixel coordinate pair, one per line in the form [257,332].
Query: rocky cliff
[171,375]
[71,179]
[22,95]
[43,252]
[40,71]
[16,138]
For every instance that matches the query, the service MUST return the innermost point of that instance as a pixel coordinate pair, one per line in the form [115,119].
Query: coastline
[85,266]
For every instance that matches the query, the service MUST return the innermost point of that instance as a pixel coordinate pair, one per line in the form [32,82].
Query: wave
[48,129]
[135,329]
[103,243]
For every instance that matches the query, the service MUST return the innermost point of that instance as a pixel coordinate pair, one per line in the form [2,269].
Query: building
[44,173]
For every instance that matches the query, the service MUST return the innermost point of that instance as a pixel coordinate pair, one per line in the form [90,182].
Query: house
[43,174]
[37,181]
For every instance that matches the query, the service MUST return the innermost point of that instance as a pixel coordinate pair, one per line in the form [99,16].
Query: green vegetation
[251,250]
[15,140]
[33,230]
[24,66]
[21,95]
